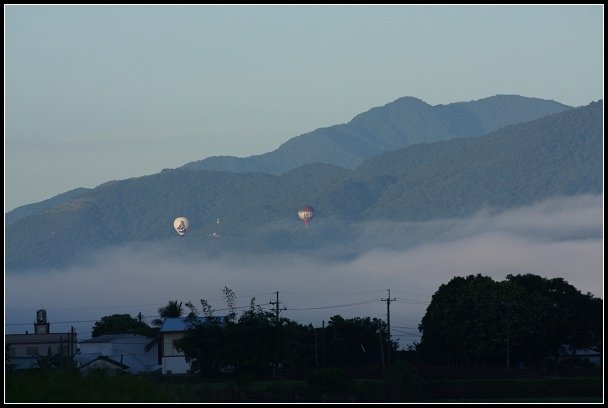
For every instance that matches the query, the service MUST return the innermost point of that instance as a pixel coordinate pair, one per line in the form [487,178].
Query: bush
[404,382]
[327,379]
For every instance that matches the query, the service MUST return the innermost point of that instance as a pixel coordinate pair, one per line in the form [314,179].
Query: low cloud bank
[557,238]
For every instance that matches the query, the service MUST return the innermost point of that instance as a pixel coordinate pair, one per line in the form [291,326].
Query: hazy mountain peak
[408,101]
[405,121]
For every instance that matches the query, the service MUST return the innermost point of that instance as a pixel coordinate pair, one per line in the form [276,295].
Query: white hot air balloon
[180,224]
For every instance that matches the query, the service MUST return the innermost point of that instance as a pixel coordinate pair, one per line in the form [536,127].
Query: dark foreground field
[326,386]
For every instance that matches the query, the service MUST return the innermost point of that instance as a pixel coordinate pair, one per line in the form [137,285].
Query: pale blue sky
[98,93]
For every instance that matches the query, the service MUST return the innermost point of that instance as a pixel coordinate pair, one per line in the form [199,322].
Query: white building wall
[169,344]
[175,365]
[174,361]
[32,345]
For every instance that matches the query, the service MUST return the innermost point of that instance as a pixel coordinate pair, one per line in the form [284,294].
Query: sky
[557,238]
[99,93]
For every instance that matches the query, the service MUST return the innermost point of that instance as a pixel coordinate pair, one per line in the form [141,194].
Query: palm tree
[172,309]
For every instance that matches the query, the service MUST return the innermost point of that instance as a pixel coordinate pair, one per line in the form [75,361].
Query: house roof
[132,361]
[23,363]
[38,338]
[584,352]
[107,360]
[180,324]
[84,358]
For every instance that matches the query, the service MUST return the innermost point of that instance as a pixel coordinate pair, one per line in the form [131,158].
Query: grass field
[71,387]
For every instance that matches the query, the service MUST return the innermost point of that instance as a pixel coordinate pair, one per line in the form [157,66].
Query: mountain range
[403,122]
[448,170]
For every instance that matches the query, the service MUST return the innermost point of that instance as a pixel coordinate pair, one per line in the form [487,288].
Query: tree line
[472,321]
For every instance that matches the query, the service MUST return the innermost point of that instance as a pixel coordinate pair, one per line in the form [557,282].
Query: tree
[474,321]
[203,345]
[212,343]
[173,308]
[230,299]
[120,323]
[247,344]
[575,318]
[356,341]
[254,339]
[457,324]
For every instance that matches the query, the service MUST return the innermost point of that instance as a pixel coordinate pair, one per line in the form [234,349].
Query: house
[173,329]
[592,357]
[24,351]
[103,363]
[125,349]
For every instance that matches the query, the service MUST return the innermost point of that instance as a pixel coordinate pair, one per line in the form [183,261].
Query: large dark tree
[120,323]
[357,341]
[461,323]
[575,318]
[475,321]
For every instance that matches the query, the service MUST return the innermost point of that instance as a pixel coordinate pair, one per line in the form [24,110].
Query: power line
[416,302]
[331,307]
[400,322]
[78,308]
[243,296]
[51,308]
[110,307]
[333,294]
[410,333]
[68,322]
[138,315]
[406,327]
[365,302]
[411,293]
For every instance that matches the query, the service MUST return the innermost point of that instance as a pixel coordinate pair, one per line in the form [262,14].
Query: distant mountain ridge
[401,123]
[398,124]
[45,205]
[557,155]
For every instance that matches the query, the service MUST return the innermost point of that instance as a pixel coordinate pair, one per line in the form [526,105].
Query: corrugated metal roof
[37,338]
[106,360]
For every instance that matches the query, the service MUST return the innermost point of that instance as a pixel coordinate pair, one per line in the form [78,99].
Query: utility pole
[381,347]
[323,345]
[388,322]
[278,330]
[314,331]
[72,344]
[61,350]
[508,305]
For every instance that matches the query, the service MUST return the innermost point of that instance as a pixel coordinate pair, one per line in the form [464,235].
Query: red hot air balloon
[305,214]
